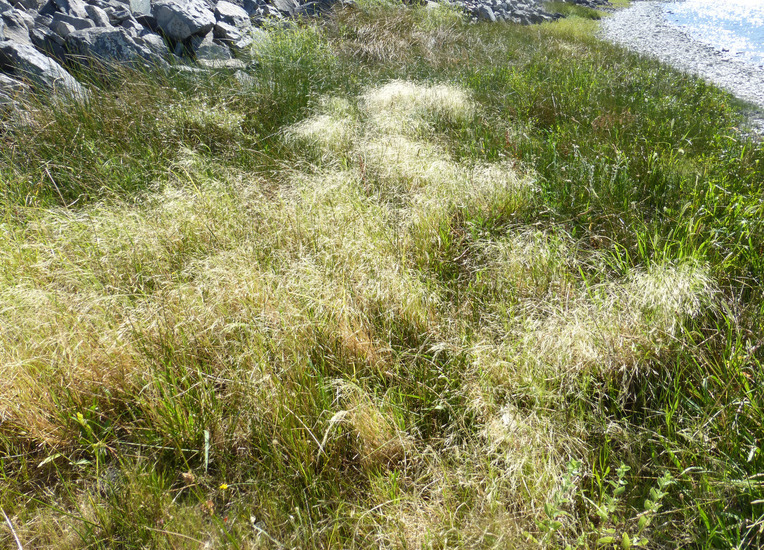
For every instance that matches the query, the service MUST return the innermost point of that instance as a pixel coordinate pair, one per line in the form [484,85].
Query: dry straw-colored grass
[211,295]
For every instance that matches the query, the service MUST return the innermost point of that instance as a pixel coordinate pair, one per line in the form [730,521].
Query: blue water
[736,26]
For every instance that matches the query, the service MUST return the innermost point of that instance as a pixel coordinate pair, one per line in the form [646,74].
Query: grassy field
[412,283]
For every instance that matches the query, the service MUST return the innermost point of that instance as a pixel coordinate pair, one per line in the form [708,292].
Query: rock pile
[39,38]
[524,12]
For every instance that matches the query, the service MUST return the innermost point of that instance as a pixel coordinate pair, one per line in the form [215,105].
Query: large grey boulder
[117,14]
[320,7]
[233,25]
[286,7]
[140,7]
[154,43]
[25,62]
[63,24]
[133,28]
[227,12]
[17,24]
[98,16]
[48,41]
[109,44]
[180,19]
[5,6]
[28,4]
[485,13]
[76,8]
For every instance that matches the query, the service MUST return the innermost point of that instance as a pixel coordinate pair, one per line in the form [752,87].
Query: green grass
[415,283]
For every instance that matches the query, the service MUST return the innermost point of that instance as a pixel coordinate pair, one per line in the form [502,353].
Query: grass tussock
[384,291]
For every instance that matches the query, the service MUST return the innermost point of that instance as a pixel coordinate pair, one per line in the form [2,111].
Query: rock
[32,5]
[11,90]
[26,62]
[64,24]
[179,20]
[133,28]
[207,49]
[318,7]
[287,7]
[233,26]
[17,25]
[245,79]
[98,16]
[485,13]
[112,44]
[49,42]
[140,7]
[226,12]
[118,14]
[5,6]
[2,29]
[76,8]
[154,43]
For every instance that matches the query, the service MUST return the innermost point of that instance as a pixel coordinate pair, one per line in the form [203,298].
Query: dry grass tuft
[406,108]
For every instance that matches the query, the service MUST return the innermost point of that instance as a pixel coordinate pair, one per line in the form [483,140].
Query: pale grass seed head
[618,326]
[401,165]
[326,134]
[410,108]
[380,440]
[669,294]
[527,266]
[531,451]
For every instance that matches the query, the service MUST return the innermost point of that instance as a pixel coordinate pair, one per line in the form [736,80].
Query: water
[736,26]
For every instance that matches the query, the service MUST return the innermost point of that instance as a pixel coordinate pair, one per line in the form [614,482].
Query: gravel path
[642,28]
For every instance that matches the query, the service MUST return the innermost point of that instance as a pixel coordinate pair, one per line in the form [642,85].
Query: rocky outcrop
[181,19]
[25,62]
[109,44]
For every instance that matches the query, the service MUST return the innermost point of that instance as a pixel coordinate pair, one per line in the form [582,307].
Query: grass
[385,292]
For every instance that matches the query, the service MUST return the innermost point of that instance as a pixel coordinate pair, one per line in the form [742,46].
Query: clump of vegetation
[385,291]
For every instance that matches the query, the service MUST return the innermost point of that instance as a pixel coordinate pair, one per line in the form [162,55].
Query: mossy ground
[416,283]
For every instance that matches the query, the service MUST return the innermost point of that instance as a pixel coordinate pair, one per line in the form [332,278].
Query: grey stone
[229,64]
[485,13]
[112,44]
[236,38]
[11,91]
[133,28]
[33,5]
[140,7]
[180,20]
[26,62]
[233,26]
[118,14]
[2,27]
[208,50]
[154,43]
[245,79]
[5,6]
[318,7]
[17,25]
[232,14]
[64,24]
[287,7]
[49,42]
[98,16]
[72,7]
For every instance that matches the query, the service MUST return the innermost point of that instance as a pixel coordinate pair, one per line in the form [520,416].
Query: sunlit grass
[387,292]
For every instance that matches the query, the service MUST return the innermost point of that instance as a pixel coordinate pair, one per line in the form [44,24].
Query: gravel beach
[642,28]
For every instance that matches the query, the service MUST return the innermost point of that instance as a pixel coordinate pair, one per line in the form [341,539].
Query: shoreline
[642,28]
